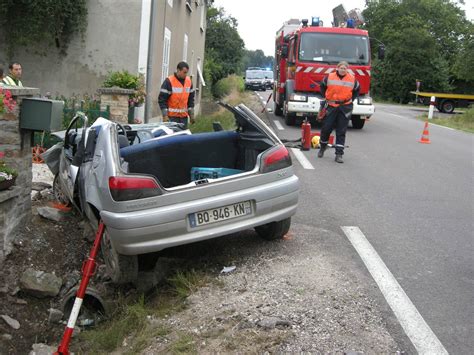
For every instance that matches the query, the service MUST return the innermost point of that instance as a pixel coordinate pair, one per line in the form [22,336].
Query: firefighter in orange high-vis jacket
[176,97]
[340,89]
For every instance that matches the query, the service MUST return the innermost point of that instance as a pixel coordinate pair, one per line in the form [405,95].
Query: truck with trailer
[306,52]
[445,102]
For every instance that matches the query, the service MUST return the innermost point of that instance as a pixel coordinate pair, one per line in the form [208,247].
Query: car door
[72,155]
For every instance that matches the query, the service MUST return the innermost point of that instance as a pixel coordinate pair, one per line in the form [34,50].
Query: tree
[224,46]
[422,42]
[50,23]
[257,59]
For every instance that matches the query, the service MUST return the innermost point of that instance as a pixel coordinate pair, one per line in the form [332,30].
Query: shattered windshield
[332,48]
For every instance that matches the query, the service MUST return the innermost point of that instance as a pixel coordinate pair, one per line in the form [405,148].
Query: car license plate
[220,214]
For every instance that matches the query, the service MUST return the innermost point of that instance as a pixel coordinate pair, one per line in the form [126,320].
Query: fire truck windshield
[332,48]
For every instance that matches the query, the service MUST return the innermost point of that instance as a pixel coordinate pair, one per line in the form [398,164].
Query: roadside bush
[225,86]
[125,80]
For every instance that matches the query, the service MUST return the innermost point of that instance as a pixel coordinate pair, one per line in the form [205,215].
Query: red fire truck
[305,54]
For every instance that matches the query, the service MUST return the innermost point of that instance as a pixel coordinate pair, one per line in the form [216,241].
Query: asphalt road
[413,202]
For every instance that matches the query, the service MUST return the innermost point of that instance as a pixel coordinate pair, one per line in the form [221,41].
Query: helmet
[315,142]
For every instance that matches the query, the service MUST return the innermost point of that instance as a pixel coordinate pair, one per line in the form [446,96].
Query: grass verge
[463,122]
[139,322]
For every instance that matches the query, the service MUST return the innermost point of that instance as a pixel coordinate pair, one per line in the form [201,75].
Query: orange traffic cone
[425,137]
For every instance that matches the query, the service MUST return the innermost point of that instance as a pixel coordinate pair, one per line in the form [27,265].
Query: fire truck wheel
[274,230]
[278,110]
[357,122]
[447,106]
[290,119]
[122,269]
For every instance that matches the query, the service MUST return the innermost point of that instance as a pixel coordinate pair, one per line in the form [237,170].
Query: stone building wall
[15,202]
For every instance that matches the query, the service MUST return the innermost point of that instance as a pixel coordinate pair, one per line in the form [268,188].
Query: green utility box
[41,114]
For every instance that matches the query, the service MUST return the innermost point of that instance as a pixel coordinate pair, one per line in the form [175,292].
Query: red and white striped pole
[269,97]
[432,106]
[88,270]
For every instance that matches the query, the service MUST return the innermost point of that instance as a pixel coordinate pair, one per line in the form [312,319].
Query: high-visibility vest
[178,100]
[10,82]
[339,91]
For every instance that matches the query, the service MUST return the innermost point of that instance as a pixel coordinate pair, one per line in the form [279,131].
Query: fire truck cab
[305,54]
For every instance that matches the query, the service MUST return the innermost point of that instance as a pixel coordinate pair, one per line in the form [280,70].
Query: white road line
[302,159]
[420,334]
[278,125]
[437,125]
[434,124]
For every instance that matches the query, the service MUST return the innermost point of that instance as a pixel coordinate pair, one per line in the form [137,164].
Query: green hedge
[224,87]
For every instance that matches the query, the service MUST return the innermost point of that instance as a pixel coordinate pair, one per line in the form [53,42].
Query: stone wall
[15,202]
[117,100]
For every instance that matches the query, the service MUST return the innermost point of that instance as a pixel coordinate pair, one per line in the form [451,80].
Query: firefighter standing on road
[176,97]
[340,89]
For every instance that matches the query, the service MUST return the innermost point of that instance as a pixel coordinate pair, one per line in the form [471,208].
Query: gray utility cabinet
[39,114]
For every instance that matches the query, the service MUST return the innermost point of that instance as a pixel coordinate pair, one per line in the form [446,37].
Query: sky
[258,20]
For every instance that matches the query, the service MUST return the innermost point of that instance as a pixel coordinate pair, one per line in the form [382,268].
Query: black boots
[338,159]
[321,152]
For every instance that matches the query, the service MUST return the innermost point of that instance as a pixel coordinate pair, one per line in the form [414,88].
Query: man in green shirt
[14,76]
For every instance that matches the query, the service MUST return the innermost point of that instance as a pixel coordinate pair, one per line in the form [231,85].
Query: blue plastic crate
[198,173]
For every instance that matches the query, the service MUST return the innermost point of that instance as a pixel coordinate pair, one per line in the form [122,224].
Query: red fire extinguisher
[305,135]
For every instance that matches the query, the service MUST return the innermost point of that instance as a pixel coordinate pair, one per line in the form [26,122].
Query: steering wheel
[121,129]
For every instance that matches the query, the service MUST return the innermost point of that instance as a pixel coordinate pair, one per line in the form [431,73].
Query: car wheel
[58,193]
[121,268]
[357,122]
[274,230]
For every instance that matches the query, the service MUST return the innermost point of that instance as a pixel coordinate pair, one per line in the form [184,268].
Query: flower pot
[5,184]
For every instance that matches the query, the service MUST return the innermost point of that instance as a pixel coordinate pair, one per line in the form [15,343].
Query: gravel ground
[284,296]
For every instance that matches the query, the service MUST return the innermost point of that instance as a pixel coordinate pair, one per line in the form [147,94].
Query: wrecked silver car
[158,186]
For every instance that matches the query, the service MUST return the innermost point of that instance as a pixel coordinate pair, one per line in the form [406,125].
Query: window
[200,76]
[185,48]
[203,16]
[170,3]
[166,55]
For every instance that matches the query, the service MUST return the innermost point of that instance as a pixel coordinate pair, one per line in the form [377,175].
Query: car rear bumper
[145,231]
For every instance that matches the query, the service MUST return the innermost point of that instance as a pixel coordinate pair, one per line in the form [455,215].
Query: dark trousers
[182,120]
[336,118]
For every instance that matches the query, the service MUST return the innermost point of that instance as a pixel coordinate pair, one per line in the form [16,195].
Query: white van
[255,80]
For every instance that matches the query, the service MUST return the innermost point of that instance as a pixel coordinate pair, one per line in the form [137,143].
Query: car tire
[357,122]
[58,193]
[274,230]
[121,268]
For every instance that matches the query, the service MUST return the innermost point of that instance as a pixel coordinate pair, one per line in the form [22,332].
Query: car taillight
[124,188]
[275,159]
